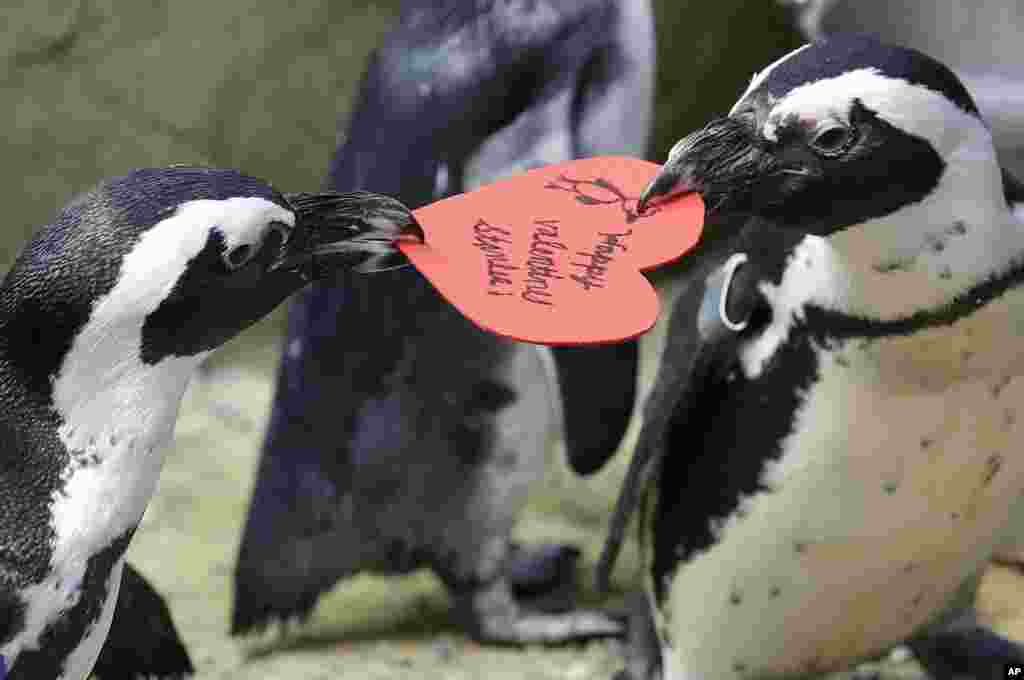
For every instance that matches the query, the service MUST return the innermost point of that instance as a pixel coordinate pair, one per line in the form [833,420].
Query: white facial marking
[761,75]
[914,109]
[814,274]
[117,412]
[240,219]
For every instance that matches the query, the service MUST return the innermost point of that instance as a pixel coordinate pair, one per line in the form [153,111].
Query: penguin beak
[722,161]
[358,230]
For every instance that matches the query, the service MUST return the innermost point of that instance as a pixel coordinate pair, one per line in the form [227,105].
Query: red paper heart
[553,256]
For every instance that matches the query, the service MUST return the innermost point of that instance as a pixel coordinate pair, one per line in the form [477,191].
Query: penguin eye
[833,141]
[238,256]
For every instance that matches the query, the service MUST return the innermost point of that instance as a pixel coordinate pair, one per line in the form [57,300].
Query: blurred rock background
[92,88]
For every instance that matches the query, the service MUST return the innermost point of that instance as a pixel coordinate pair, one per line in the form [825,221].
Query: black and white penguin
[413,439]
[980,42]
[143,641]
[103,319]
[828,455]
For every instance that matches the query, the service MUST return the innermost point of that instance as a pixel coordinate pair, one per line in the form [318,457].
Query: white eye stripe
[242,220]
[911,108]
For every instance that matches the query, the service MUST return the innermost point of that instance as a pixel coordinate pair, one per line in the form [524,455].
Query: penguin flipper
[697,338]
[643,649]
[294,545]
[598,386]
[143,641]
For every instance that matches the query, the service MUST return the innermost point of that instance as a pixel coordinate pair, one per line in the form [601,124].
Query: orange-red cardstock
[553,256]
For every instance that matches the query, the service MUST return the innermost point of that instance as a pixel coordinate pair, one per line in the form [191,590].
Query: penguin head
[839,133]
[173,262]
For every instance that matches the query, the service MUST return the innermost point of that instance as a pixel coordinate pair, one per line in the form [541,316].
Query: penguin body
[103,318]
[430,462]
[823,465]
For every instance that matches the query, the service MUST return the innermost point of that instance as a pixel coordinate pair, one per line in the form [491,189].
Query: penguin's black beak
[358,230]
[723,161]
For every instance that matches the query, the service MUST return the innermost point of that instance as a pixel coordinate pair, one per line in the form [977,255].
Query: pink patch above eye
[554,256]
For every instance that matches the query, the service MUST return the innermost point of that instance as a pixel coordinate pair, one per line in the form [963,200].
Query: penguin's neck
[116,415]
[104,389]
[930,252]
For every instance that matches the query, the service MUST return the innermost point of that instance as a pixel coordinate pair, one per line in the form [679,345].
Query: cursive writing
[541,266]
[595,267]
[492,242]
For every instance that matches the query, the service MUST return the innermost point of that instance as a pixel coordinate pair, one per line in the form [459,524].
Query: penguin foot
[551,629]
[973,652]
[543,577]
[495,617]
[643,651]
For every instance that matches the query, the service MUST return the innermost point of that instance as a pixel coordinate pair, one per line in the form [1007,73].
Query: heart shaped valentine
[553,256]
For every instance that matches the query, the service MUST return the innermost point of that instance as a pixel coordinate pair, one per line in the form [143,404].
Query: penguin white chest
[894,487]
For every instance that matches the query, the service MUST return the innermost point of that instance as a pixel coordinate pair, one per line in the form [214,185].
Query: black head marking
[836,55]
[211,303]
[884,170]
[146,196]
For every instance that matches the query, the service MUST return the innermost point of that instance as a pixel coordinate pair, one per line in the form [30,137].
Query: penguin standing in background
[103,319]
[828,457]
[413,438]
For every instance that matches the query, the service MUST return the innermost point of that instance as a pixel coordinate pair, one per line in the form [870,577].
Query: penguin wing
[707,321]
[598,387]
[143,642]
[610,114]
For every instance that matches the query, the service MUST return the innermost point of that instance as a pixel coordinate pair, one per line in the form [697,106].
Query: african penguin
[827,458]
[412,439]
[980,41]
[103,318]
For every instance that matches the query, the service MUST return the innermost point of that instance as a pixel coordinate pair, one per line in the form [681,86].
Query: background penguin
[103,318]
[430,461]
[826,459]
[143,642]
